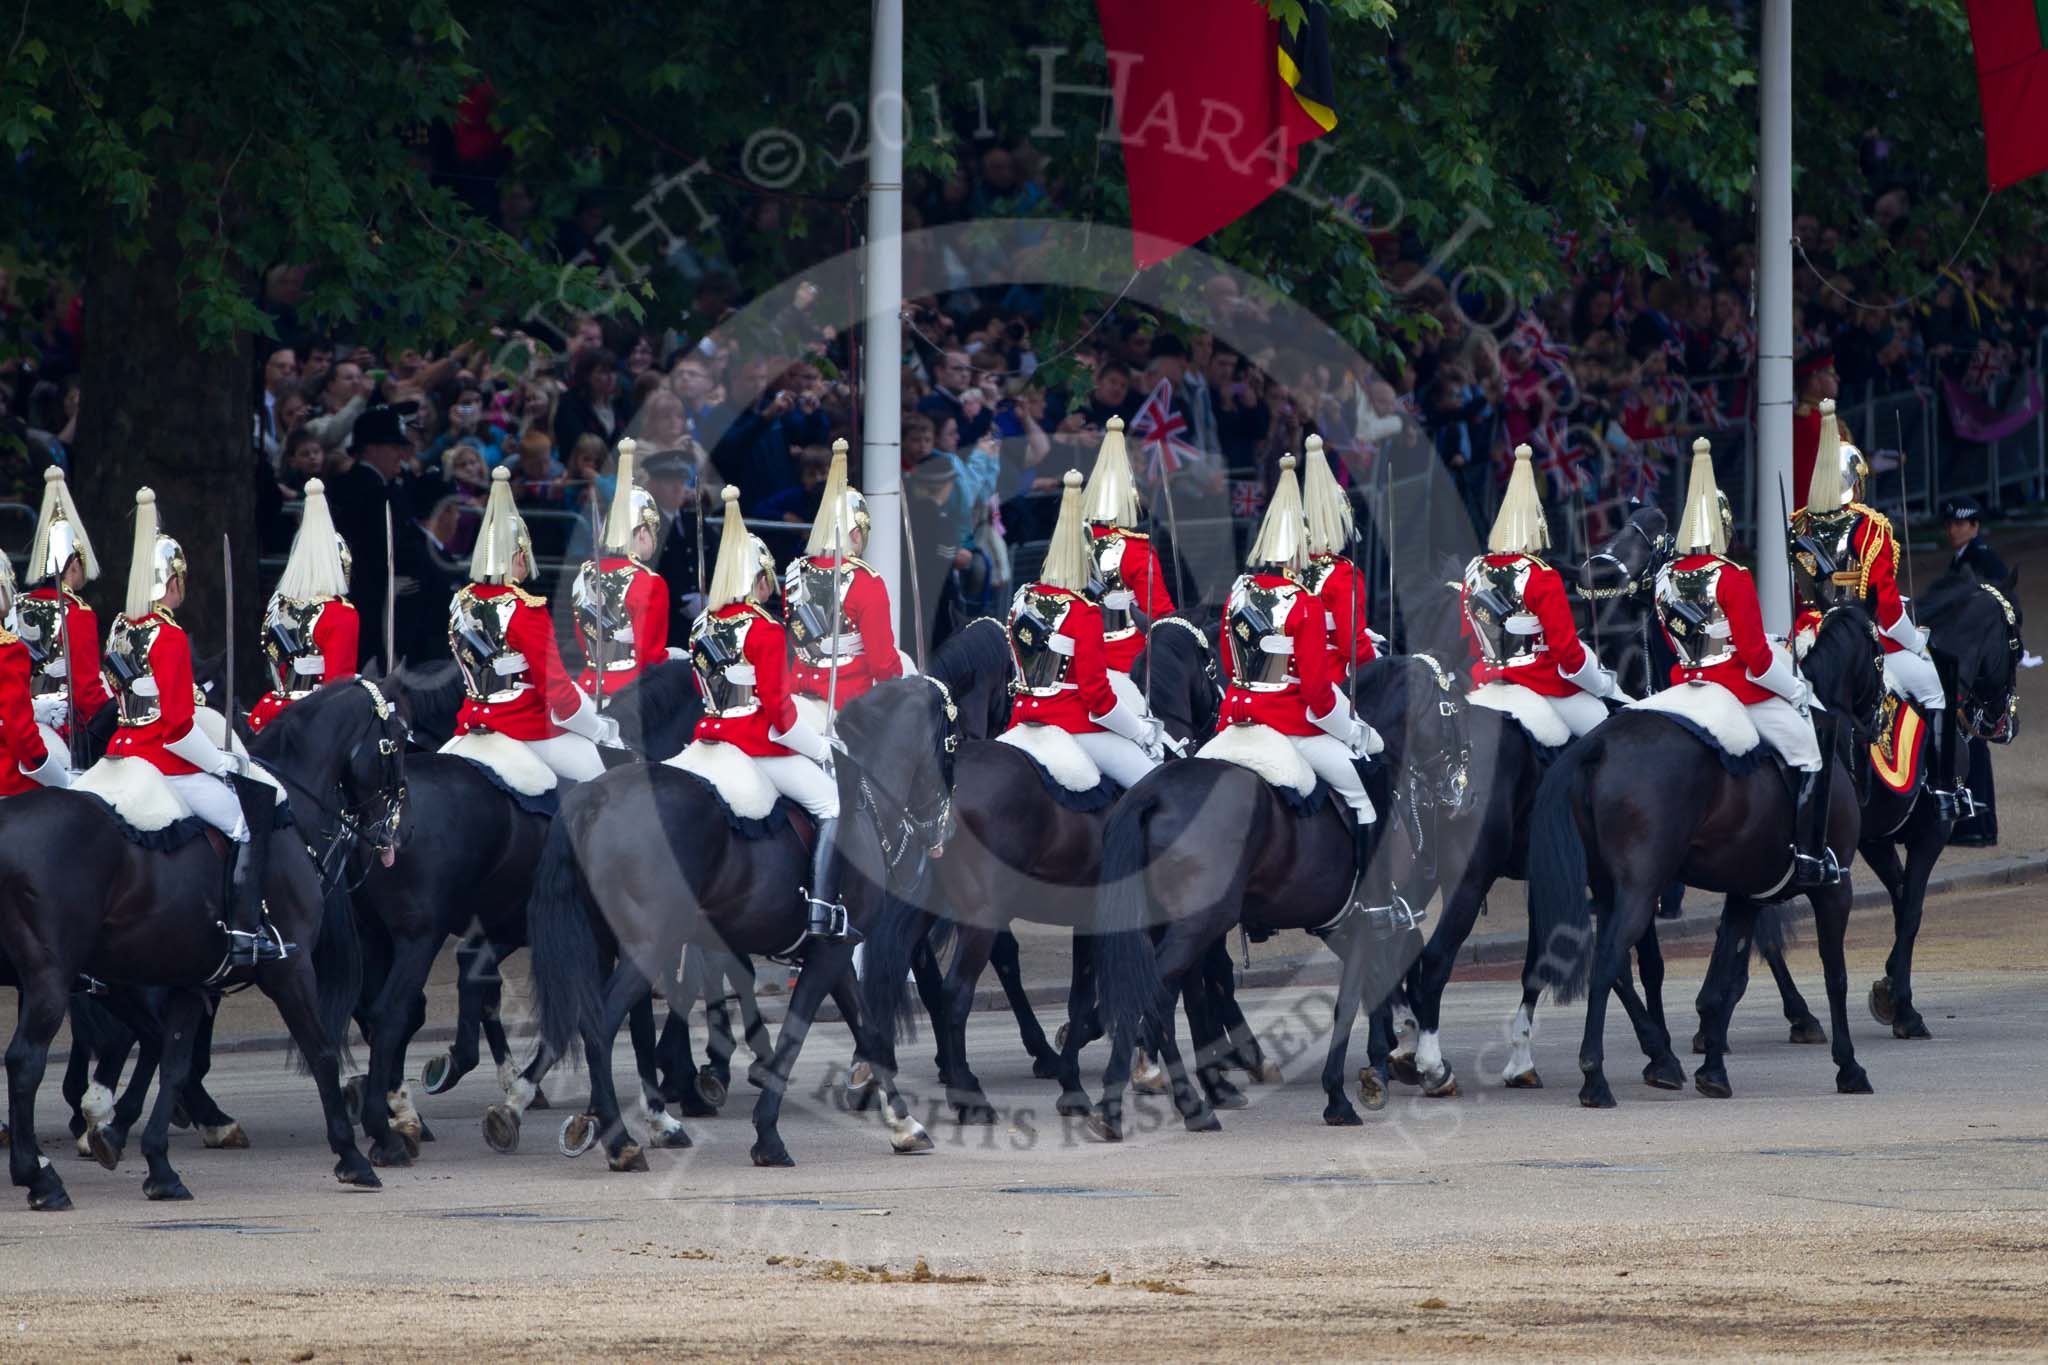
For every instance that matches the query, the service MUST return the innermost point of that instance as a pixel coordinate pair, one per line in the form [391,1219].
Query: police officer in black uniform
[1964,520]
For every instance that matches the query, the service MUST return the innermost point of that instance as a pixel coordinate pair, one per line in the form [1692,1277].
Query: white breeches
[1121,761]
[574,758]
[803,782]
[213,801]
[1787,731]
[1914,676]
[1331,759]
[1581,711]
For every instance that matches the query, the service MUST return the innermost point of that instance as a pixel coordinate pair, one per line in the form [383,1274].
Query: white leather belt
[1061,644]
[1524,624]
[743,674]
[1277,644]
[509,664]
[313,666]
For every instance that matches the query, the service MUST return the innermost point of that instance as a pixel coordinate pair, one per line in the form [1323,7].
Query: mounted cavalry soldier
[835,606]
[1062,659]
[149,672]
[739,653]
[1127,583]
[1281,675]
[621,603]
[310,630]
[1528,659]
[504,644]
[61,631]
[27,757]
[1844,551]
[1330,574]
[1708,606]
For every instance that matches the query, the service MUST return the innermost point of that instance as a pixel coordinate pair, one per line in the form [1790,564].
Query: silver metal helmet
[166,563]
[348,560]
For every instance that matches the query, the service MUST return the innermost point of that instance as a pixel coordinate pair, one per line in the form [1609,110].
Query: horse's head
[901,737]
[974,665]
[1180,678]
[1974,636]
[343,751]
[1846,665]
[428,697]
[1628,560]
[1414,703]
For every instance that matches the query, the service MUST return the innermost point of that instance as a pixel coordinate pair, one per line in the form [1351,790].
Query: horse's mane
[428,695]
[1173,670]
[1407,681]
[978,650]
[1846,641]
[1967,624]
[294,733]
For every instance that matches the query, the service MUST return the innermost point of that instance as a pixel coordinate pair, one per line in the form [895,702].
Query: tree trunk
[164,410]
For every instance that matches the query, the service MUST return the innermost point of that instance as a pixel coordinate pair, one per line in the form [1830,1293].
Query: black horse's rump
[658,711]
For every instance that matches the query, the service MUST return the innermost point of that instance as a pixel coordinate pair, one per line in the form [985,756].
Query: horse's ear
[2012,580]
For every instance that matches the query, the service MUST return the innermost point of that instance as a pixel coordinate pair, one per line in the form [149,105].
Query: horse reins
[352,823]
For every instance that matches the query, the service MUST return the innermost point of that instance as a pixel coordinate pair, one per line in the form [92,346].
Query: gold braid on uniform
[1882,523]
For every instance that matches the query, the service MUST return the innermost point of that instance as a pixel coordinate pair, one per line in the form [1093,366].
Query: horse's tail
[560,926]
[338,969]
[1560,926]
[890,943]
[1127,984]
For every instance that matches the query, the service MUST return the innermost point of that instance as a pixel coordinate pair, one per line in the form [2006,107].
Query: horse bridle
[1972,714]
[1635,582]
[909,830]
[353,825]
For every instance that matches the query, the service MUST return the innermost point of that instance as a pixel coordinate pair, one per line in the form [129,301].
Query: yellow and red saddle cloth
[1896,752]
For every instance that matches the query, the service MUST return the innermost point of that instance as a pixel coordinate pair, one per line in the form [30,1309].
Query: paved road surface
[1787,1220]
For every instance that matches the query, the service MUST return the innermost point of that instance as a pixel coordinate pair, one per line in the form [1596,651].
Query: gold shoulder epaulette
[528,598]
[8,637]
[860,563]
[1134,535]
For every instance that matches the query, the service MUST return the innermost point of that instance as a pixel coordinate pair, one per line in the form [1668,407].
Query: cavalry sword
[227,578]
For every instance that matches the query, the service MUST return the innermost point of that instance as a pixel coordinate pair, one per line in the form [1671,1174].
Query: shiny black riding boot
[1949,792]
[252,939]
[1386,914]
[828,916]
[1813,862]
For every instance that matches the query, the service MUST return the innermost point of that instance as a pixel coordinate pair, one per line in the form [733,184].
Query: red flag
[1212,102]
[2011,39]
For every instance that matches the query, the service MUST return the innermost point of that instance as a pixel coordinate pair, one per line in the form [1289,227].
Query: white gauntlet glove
[801,738]
[51,709]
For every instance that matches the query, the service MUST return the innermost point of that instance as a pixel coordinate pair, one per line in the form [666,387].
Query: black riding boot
[828,916]
[252,939]
[1813,862]
[1386,914]
[1949,792]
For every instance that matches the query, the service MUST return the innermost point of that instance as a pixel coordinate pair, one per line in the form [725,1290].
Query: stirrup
[1809,872]
[89,985]
[252,948]
[1955,805]
[1390,921]
[828,920]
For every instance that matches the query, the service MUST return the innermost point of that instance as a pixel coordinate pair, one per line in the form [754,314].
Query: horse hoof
[766,1153]
[910,1144]
[1339,1114]
[1203,1122]
[1911,1027]
[411,1138]
[1523,1080]
[1045,1067]
[1853,1080]
[352,1098]
[171,1189]
[1882,1008]
[501,1128]
[102,1148]
[1442,1086]
[1149,1078]
[1372,1090]
[976,1113]
[1074,1106]
[579,1135]
[1404,1070]
[226,1138]
[1104,1129]
[84,1145]
[435,1077]
[629,1158]
[1266,1073]
[426,1133]
[1713,1084]
[539,1100]
[1806,1031]
[1664,1074]
[691,1106]
[395,1153]
[50,1198]
[860,1086]
[353,1170]
[1595,1094]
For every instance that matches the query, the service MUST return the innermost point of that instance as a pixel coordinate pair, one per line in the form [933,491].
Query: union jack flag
[1247,500]
[1642,468]
[1989,363]
[1561,459]
[1700,269]
[1544,348]
[1160,428]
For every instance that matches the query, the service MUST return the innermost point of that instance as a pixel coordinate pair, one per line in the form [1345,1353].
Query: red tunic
[867,612]
[1311,685]
[1545,600]
[170,665]
[1879,552]
[549,693]
[767,649]
[1735,590]
[21,744]
[82,630]
[1344,623]
[1147,583]
[647,612]
[336,633]
[1086,694]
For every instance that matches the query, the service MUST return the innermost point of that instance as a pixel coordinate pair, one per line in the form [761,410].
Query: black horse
[1642,802]
[77,895]
[1974,638]
[625,846]
[1201,846]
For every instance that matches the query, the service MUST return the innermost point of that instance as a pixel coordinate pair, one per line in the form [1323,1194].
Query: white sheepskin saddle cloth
[1712,708]
[743,787]
[1265,752]
[514,764]
[1056,752]
[136,791]
[1533,711]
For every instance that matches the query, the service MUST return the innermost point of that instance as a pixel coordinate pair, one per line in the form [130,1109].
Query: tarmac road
[1786,1221]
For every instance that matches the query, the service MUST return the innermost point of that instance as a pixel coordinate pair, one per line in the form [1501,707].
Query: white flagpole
[882,361]
[1773,462]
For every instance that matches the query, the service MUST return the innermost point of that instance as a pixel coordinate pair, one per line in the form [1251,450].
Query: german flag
[2011,42]
[1213,101]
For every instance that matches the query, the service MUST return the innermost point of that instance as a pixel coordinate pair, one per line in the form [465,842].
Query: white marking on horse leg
[1429,1053]
[507,1074]
[1406,1030]
[1522,1035]
[906,1134]
[519,1094]
[96,1105]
